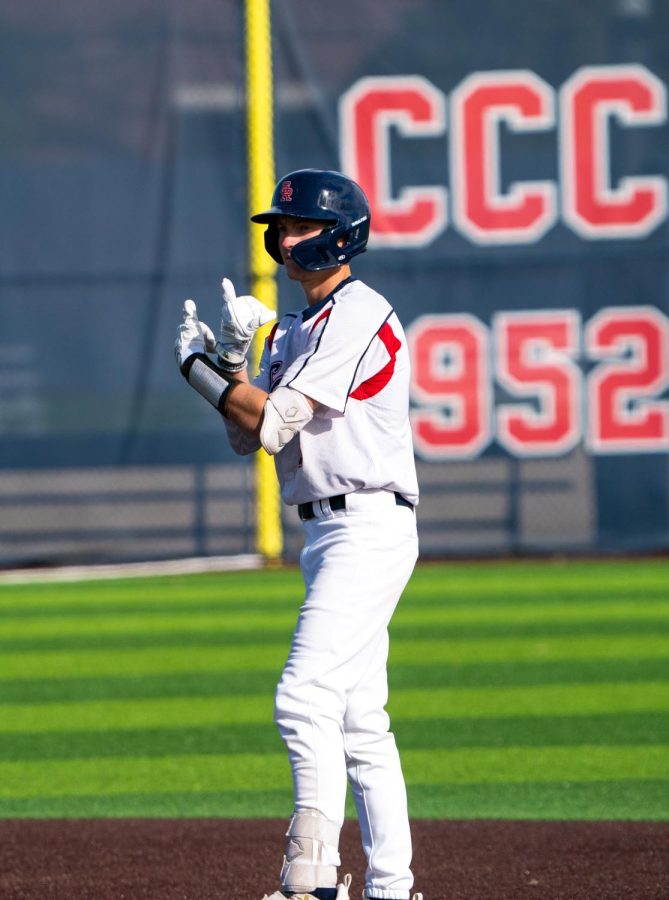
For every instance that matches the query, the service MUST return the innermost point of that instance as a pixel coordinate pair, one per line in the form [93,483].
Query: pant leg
[355,565]
[377,785]
[310,699]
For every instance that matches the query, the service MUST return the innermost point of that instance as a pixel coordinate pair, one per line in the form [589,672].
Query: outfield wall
[516,160]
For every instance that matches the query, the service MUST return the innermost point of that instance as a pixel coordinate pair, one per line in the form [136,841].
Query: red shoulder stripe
[270,336]
[380,379]
[323,315]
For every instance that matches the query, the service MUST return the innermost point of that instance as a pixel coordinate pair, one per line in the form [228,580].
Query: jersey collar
[312,310]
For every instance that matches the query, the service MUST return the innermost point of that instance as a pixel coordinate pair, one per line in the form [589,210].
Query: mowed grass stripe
[263,681]
[271,656]
[224,639]
[495,582]
[187,622]
[186,772]
[629,800]
[505,579]
[158,623]
[234,587]
[517,764]
[153,660]
[529,731]
[253,600]
[526,672]
[177,804]
[574,699]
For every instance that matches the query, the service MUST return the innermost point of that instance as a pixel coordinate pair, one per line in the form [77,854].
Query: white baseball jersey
[349,354]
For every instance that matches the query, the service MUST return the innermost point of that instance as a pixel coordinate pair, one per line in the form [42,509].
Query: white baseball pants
[331,697]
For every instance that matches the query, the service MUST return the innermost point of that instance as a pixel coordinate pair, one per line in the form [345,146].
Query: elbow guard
[286,412]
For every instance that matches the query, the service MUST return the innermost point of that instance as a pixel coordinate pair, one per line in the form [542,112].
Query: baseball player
[331,404]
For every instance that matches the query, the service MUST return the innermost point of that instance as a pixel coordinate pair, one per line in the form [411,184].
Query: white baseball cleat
[342,893]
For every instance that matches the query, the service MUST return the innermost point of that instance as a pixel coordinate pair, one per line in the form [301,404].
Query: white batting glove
[193,336]
[241,317]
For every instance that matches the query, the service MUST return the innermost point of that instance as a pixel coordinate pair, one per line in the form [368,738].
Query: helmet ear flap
[272,242]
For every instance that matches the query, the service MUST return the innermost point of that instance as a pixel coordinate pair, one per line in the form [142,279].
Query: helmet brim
[269,215]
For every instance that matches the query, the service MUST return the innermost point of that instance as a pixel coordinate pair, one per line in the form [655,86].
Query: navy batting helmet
[324,196]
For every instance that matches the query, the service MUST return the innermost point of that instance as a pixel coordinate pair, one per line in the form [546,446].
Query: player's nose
[286,243]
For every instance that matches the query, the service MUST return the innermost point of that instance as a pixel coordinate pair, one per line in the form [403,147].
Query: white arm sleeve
[241,442]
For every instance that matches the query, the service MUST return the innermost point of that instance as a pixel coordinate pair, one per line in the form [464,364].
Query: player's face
[291,231]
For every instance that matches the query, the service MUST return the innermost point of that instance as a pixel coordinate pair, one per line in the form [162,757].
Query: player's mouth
[291,266]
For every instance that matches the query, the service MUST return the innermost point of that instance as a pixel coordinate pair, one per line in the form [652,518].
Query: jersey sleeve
[328,369]
[262,379]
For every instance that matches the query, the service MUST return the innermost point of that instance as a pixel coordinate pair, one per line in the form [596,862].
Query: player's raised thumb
[190,310]
[229,293]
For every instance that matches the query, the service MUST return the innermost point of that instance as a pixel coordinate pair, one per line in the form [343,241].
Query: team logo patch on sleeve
[274,374]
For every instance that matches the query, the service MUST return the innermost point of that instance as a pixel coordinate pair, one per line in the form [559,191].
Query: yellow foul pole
[260,163]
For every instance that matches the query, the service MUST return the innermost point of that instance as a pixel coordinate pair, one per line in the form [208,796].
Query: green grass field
[518,690]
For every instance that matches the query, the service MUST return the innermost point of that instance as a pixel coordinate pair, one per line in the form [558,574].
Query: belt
[306,511]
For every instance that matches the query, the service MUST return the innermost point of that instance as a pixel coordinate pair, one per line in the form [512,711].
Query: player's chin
[292,269]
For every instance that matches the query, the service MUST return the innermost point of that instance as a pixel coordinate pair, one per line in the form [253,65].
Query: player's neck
[323,283]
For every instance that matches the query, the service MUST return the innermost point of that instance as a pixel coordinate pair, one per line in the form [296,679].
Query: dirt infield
[211,859]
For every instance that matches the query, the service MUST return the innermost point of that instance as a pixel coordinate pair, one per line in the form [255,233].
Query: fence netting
[516,160]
